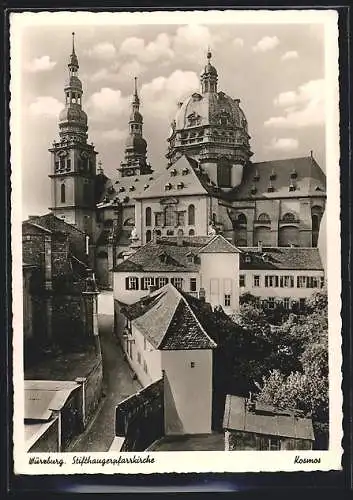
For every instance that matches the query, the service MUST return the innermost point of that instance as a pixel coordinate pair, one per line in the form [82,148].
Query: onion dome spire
[73,64]
[209,76]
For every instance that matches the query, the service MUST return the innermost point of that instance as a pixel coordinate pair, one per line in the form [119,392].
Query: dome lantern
[209,76]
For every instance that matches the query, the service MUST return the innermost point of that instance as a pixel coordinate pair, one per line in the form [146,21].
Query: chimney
[259,246]
[202,295]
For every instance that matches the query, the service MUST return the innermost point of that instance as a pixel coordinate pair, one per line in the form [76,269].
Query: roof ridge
[197,320]
[178,294]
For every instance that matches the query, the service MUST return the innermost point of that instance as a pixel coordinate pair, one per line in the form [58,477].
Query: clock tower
[73,159]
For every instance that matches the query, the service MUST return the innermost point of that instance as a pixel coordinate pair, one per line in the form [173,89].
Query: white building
[163,336]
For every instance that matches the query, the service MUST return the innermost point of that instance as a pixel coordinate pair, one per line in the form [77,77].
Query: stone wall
[246,441]
[92,390]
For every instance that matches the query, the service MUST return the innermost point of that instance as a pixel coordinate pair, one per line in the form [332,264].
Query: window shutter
[127,284]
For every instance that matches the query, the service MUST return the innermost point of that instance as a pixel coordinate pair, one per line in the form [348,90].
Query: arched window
[191,232]
[148,216]
[169,219]
[264,218]
[62,193]
[180,232]
[148,236]
[191,215]
[242,219]
[289,217]
[315,221]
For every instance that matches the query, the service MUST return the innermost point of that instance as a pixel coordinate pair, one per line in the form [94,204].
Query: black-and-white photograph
[174,176]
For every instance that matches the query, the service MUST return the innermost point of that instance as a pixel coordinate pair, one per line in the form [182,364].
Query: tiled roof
[166,319]
[125,190]
[219,245]
[181,179]
[52,223]
[268,421]
[165,255]
[308,179]
[281,258]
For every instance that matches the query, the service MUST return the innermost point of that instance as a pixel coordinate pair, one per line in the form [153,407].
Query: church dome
[73,82]
[136,117]
[210,109]
[73,114]
[136,142]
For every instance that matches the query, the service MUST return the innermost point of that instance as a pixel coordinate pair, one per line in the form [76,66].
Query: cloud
[46,106]
[238,42]
[113,135]
[283,144]
[191,42]
[40,64]
[103,50]
[158,49]
[106,103]
[161,95]
[119,73]
[291,54]
[304,106]
[266,43]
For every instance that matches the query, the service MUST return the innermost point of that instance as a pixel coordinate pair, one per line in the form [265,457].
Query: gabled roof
[309,180]
[265,420]
[125,189]
[219,245]
[148,257]
[296,258]
[166,319]
[181,178]
[42,397]
[52,223]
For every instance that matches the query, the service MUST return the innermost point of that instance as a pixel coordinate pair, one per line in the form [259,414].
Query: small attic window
[191,258]
[270,189]
[146,186]
[150,179]
[185,171]
[256,176]
[273,175]
[168,186]
[173,172]
[121,189]
[137,179]
[126,199]
[117,182]
[318,188]
[248,259]
[116,200]
[180,185]
[132,188]
[293,174]
[163,257]
[292,187]
[253,190]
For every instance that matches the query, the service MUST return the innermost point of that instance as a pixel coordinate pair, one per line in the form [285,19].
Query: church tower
[135,158]
[73,160]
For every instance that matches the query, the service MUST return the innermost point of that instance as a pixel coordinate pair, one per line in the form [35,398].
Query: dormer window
[270,189]
[132,188]
[256,176]
[191,258]
[318,188]
[163,257]
[293,174]
[185,171]
[272,175]
[180,185]
[137,179]
[150,179]
[292,187]
[168,186]
[253,190]
[248,259]
[173,172]
[126,199]
[146,186]
[121,189]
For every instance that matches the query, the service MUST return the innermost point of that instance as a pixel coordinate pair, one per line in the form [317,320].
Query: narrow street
[117,385]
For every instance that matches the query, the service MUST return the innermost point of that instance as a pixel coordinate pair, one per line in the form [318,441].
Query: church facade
[209,185]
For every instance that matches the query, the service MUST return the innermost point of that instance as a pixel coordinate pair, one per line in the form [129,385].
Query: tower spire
[209,76]
[135,98]
[73,43]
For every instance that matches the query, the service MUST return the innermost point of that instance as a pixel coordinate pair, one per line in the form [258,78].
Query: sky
[276,70]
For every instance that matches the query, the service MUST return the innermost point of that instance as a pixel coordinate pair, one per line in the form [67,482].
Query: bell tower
[73,160]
